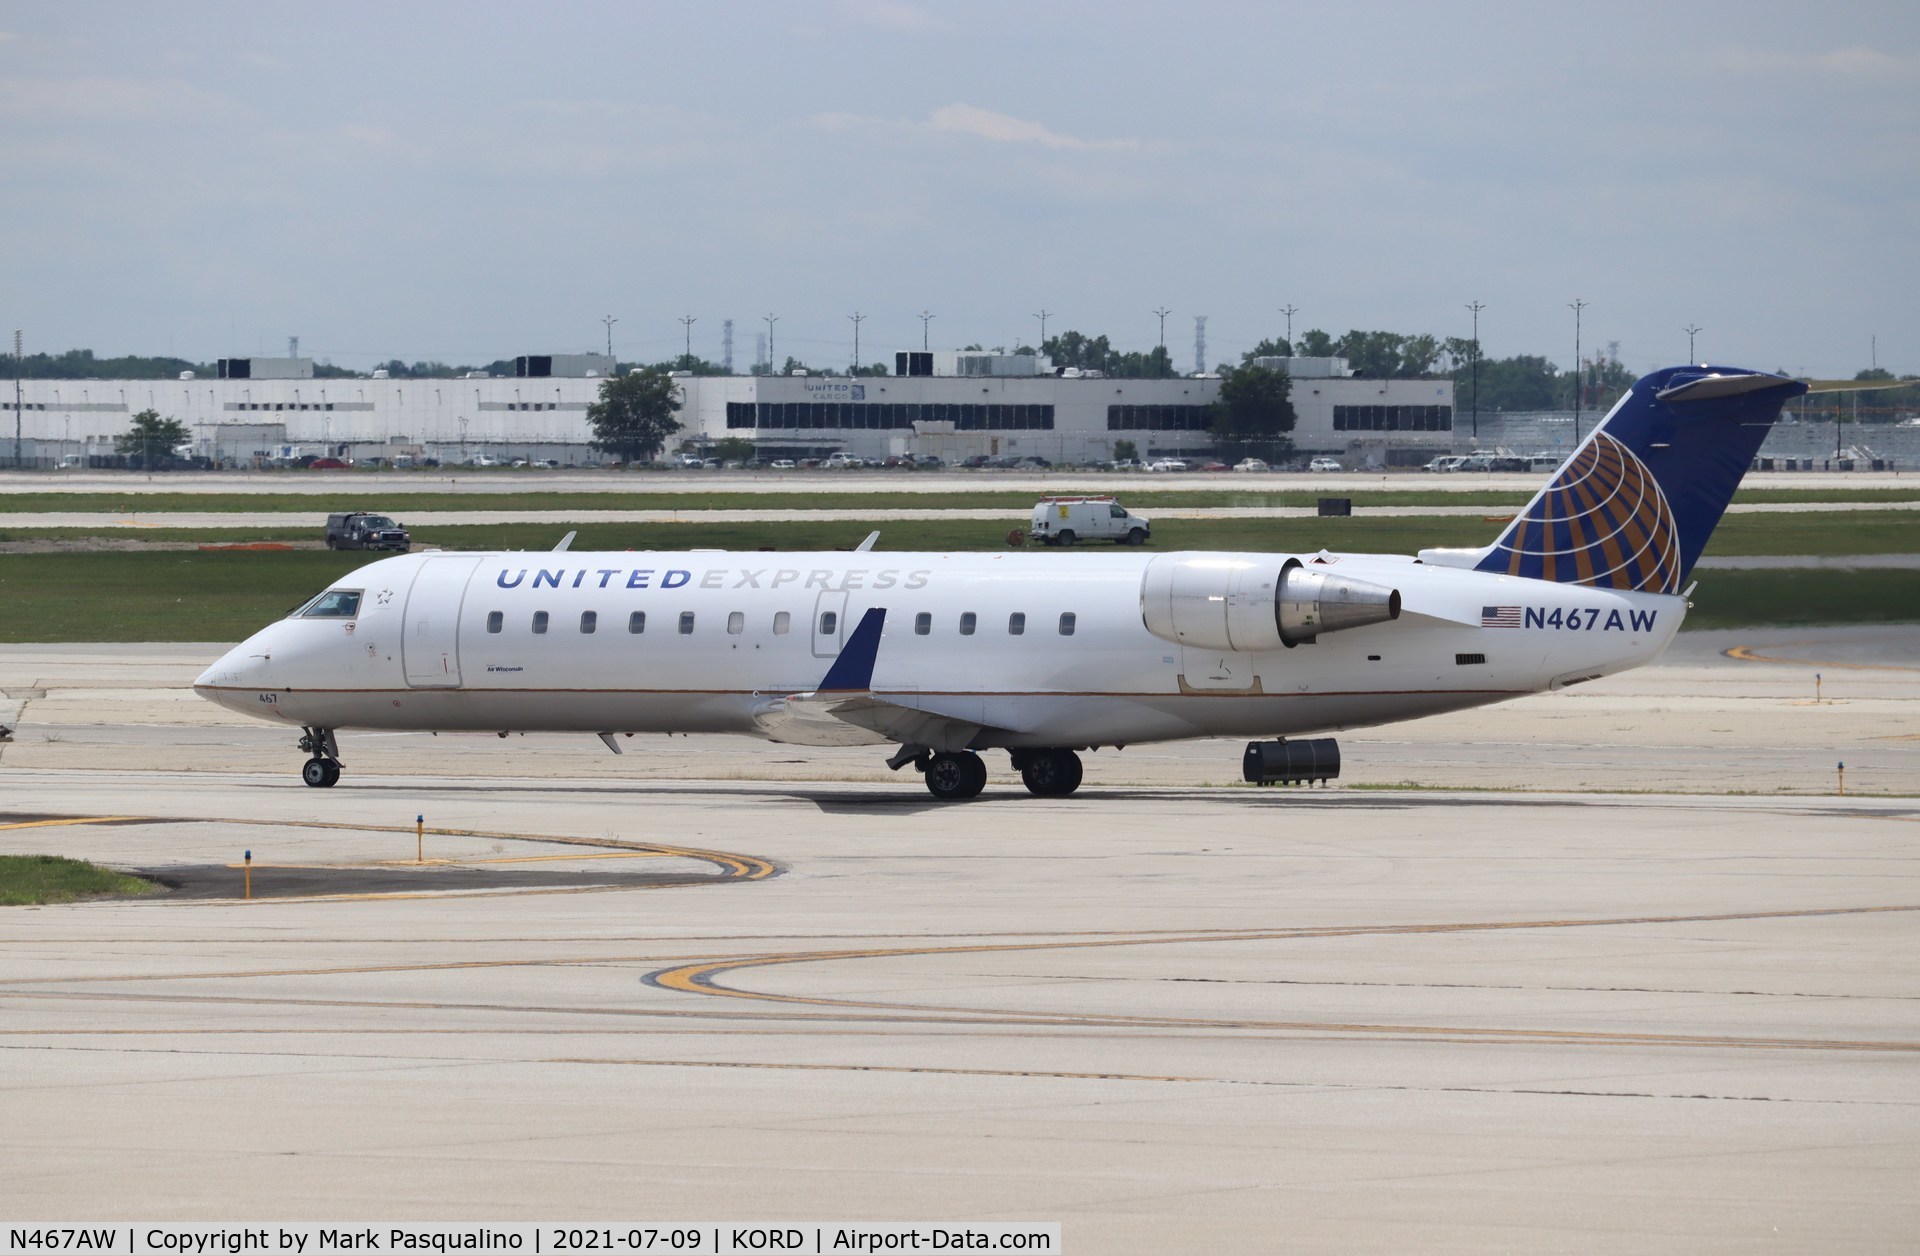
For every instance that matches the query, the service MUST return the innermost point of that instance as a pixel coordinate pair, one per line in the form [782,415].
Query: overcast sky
[471,181]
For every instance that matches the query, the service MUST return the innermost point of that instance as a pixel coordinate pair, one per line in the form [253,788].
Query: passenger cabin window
[539,622]
[782,622]
[686,623]
[333,604]
[1016,623]
[589,621]
[1067,620]
[736,622]
[828,622]
[968,620]
[637,622]
[922,624]
[496,621]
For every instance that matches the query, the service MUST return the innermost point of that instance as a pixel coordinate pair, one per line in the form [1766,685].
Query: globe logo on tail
[1603,522]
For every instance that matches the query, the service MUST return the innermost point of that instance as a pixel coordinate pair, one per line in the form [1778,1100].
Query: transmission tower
[1200,344]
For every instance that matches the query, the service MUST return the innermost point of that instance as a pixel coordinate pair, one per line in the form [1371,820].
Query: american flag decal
[1499,617]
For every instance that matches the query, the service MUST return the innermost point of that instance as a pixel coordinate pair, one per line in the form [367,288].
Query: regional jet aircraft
[1040,654]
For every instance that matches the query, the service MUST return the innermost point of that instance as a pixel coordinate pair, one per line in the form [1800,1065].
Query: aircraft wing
[844,710]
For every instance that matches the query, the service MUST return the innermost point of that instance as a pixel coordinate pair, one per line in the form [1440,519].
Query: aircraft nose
[242,668]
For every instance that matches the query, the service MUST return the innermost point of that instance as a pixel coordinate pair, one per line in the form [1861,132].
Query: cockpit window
[333,604]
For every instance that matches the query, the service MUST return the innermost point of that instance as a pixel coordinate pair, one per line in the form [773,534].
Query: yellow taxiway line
[1747,654]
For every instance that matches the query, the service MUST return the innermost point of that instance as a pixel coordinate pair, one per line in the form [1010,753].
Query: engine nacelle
[1253,602]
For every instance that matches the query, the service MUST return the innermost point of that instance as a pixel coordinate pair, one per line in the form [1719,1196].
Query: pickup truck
[359,530]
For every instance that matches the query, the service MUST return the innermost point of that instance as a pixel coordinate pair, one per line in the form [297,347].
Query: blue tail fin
[853,670]
[1634,506]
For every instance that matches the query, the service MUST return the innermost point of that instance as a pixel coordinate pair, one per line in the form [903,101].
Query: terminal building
[949,405]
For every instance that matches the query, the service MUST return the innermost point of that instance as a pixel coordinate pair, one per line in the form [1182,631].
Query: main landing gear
[957,775]
[322,771]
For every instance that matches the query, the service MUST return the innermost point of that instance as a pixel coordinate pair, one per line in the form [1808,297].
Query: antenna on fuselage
[568,540]
[867,544]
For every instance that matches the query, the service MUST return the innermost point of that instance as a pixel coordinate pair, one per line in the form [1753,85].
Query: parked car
[1216,466]
[1324,464]
[1167,464]
[928,461]
[1068,520]
[360,530]
[1445,462]
[782,464]
[843,461]
[1254,465]
[328,464]
[1126,464]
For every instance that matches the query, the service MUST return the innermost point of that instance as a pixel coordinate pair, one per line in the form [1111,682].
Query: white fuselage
[452,641]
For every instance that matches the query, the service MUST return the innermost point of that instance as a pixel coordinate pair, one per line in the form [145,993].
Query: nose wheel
[322,771]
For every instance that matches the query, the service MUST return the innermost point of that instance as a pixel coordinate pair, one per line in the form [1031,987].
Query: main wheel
[320,773]
[954,776]
[1052,773]
[1136,536]
[1067,537]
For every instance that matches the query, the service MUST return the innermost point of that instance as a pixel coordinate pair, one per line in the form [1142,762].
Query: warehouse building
[950,405]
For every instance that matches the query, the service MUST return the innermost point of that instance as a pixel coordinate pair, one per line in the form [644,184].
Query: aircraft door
[829,624]
[430,650]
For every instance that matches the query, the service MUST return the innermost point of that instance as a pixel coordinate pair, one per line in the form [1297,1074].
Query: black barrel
[1291,762]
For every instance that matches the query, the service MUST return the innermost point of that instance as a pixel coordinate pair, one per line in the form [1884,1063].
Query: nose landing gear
[322,771]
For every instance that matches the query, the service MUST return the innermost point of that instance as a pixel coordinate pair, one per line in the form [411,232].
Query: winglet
[853,670]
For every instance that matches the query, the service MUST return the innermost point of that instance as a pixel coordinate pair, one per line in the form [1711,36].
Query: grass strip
[29,880]
[215,596]
[1816,533]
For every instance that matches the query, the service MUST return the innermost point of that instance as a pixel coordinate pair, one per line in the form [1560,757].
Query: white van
[1069,520]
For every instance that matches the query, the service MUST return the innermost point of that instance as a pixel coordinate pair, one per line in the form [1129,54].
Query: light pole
[1476,307]
[16,399]
[1692,331]
[1289,311]
[770,320]
[1576,305]
[609,320]
[926,320]
[856,318]
[1161,314]
[1042,316]
[687,321]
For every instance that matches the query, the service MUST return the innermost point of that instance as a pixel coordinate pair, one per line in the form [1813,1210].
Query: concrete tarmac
[1169,1015]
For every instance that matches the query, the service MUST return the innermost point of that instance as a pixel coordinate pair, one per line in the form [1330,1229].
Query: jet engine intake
[1252,602]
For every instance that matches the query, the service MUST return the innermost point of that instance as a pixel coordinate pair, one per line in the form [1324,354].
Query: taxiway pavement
[1170,1016]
